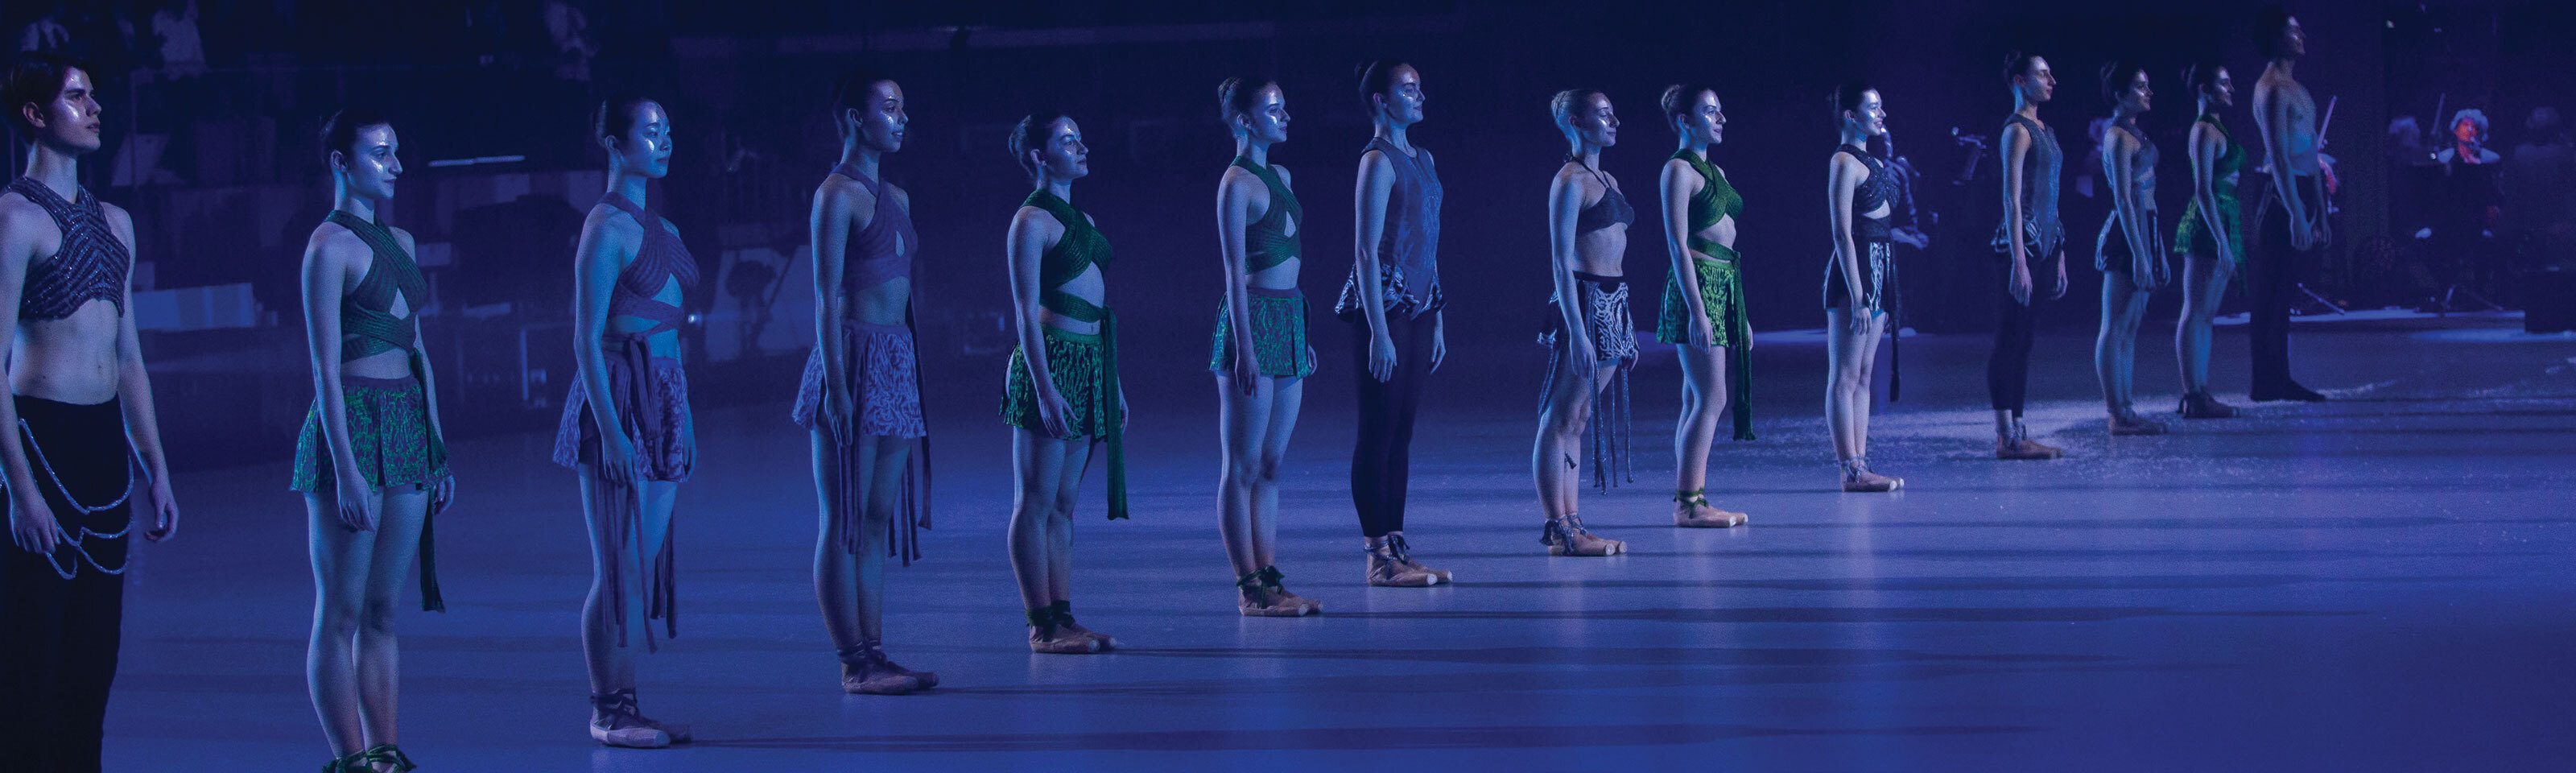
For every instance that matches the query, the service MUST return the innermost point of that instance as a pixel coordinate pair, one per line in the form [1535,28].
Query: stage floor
[2382,582]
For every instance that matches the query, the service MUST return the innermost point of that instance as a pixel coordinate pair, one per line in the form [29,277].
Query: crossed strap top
[1612,209]
[367,322]
[2039,188]
[659,261]
[1716,200]
[1877,191]
[1081,247]
[883,251]
[91,265]
[1267,242]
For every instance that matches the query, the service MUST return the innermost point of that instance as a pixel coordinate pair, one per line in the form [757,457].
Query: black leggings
[2008,371]
[2272,285]
[58,636]
[1380,462]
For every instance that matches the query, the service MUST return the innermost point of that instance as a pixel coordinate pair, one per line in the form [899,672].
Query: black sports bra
[1612,209]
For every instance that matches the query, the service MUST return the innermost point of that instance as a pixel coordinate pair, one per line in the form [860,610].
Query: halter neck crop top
[1077,251]
[92,264]
[661,260]
[1877,191]
[883,251]
[1715,200]
[2039,187]
[367,322]
[2146,160]
[1267,242]
[1411,241]
[1612,209]
[2230,161]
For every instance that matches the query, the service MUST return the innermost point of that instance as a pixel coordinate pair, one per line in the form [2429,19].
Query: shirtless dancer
[2291,226]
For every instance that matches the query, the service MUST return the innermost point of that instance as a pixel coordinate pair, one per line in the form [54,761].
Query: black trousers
[2008,370]
[58,634]
[2272,270]
[1383,457]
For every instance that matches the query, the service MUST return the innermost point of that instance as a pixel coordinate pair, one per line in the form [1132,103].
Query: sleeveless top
[1077,251]
[1612,209]
[2040,226]
[1715,200]
[1877,191]
[1408,251]
[2145,181]
[659,261]
[1267,242]
[2229,164]
[870,257]
[367,322]
[91,265]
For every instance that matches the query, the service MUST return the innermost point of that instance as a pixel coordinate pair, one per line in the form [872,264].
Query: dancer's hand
[165,510]
[1581,352]
[1123,413]
[617,460]
[2325,233]
[2303,237]
[442,495]
[1701,330]
[1381,358]
[1246,370]
[32,525]
[2060,292]
[356,499]
[837,407]
[2145,274]
[688,450]
[2020,283]
[1053,411]
[1439,342]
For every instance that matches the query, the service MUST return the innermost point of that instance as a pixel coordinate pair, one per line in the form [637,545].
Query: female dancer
[1703,312]
[1261,357]
[371,464]
[1591,340]
[860,399]
[2211,236]
[626,431]
[2129,251]
[2030,232]
[1394,283]
[1062,393]
[1863,195]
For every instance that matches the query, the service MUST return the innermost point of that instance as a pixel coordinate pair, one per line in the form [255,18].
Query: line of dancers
[373,470]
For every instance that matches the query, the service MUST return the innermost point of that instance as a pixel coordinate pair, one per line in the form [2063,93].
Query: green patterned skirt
[1278,334]
[389,433]
[1721,291]
[1080,366]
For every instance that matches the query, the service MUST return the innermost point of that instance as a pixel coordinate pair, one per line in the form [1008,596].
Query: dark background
[745,84]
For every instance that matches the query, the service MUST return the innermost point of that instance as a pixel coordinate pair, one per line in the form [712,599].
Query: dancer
[1863,195]
[860,398]
[2129,251]
[2292,223]
[1703,312]
[1062,395]
[80,414]
[626,431]
[1592,341]
[2030,233]
[2211,236]
[1394,284]
[1261,357]
[371,464]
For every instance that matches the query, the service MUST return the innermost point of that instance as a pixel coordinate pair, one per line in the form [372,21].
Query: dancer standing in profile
[626,431]
[80,413]
[2211,236]
[1862,195]
[371,464]
[1703,311]
[1261,358]
[2031,242]
[1062,395]
[1393,287]
[2292,223]
[1592,340]
[2130,249]
[860,398]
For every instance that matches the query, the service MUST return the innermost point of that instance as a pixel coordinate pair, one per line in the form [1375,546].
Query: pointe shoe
[1269,580]
[2285,389]
[1566,537]
[1694,512]
[2128,423]
[2017,445]
[1065,626]
[1404,553]
[1858,479]
[1050,640]
[1386,571]
[380,758]
[865,671]
[2199,405]
[614,721]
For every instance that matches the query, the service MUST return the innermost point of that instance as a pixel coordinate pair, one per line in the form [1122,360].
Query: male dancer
[2291,225]
[79,392]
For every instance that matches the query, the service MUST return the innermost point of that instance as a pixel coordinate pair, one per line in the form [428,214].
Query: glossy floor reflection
[2377,583]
